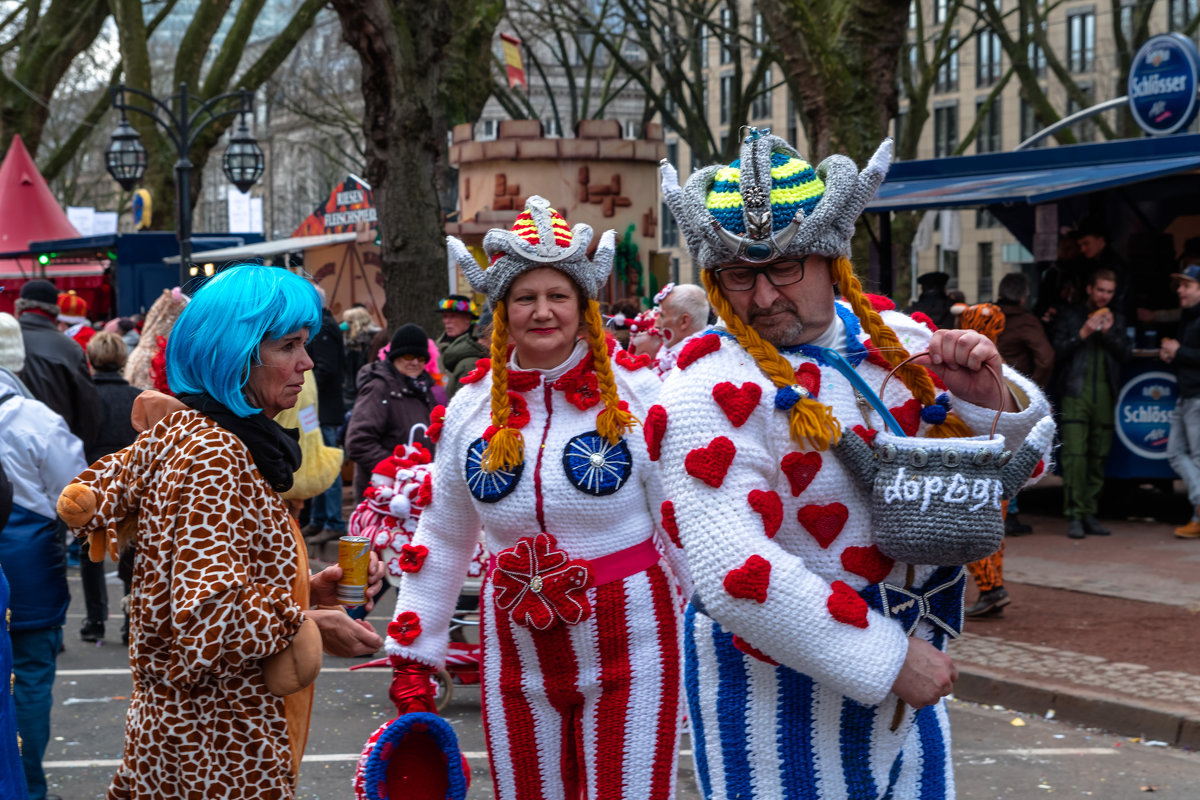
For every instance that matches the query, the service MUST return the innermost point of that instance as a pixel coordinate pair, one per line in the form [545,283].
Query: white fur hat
[12,346]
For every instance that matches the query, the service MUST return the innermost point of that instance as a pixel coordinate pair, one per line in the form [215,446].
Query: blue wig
[215,341]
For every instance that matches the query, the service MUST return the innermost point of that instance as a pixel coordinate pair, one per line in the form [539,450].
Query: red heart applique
[867,562]
[909,416]
[710,464]
[750,581]
[866,434]
[800,469]
[846,606]
[669,525]
[924,319]
[750,650]
[697,349]
[823,522]
[770,507]
[808,375]
[653,428]
[1039,469]
[738,404]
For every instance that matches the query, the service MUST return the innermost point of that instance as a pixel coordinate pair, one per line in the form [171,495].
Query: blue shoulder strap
[849,373]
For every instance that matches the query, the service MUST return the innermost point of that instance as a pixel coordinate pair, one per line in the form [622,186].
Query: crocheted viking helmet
[539,238]
[770,203]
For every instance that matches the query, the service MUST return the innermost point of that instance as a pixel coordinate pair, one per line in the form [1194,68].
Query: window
[912,15]
[631,128]
[947,74]
[673,152]
[983,289]
[987,139]
[1127,7]
[702,42]
[1084,130]
[900,117]
[761,106]
[987,61]
[670,228]
[1180,13]
[1029,123]
[945,130]
[759,34]
[726,97]
[985,219]
[485,130]
[1034,53]
[1081,41]
[940,10]
[948,263]
[726,36]
[552,129]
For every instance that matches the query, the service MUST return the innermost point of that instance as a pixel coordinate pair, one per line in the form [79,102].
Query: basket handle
[990,368]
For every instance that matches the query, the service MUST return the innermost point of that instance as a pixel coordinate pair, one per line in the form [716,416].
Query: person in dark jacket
[458,346]
[393,396]
[56,370]
[1090,344]
[107,352]
[358,329]
[328,355]
[933,299]
[12,778]
[1023,344]
[1183,446]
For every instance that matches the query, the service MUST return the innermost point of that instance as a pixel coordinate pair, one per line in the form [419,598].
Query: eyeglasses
[780,273]
[410,357]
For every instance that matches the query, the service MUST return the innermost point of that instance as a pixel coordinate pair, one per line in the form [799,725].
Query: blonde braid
[914,376]
[811,421]
[612,423]
[506,449]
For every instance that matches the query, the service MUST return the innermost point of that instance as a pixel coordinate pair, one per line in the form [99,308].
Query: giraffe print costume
[212,596]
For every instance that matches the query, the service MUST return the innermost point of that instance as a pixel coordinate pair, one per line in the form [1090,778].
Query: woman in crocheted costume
[797,640]
[581,687]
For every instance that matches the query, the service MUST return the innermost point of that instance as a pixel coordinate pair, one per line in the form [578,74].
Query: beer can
[354,557]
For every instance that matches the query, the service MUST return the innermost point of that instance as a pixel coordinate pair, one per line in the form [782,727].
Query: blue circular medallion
[485,486]
[1162,84]
[595,466]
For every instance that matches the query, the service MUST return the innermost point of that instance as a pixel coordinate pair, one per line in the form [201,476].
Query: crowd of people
[657,488]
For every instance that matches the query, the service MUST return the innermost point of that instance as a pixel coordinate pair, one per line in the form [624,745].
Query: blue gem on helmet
[758,251]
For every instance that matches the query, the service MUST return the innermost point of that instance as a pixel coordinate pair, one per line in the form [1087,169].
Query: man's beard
[782,331]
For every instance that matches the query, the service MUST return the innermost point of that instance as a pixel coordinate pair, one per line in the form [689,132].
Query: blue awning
[1033,176]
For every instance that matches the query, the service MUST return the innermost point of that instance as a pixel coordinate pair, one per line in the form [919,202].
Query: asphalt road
[994,758]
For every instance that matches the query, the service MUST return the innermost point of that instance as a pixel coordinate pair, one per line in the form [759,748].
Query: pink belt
[614,566]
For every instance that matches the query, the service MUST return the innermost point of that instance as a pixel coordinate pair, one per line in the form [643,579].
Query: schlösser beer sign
[1162,84]
[1144,413]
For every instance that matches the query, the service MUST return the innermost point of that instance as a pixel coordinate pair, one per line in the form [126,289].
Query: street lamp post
[125,158]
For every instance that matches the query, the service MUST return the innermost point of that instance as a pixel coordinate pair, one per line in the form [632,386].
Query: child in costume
[801,677]
[580,611]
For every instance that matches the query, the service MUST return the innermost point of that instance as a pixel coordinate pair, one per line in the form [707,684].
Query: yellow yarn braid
[506,449]
[914,376]
[612,423]
[811,421]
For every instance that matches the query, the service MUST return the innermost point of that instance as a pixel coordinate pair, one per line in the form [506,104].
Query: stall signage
[1144,413]
[1163,82]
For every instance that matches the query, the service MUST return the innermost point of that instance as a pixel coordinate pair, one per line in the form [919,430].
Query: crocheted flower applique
[737,403]
[437,420]
[595,466]
[540,586]
[518,411]
[523,380]
[698,348]
[412,557]
[654,427]
[482,367]
[582,389]
[749,581]
[405,628]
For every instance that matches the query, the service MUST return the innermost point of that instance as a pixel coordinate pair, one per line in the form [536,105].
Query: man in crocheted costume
[801,681]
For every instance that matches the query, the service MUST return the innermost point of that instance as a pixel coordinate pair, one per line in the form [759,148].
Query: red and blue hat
[413,757]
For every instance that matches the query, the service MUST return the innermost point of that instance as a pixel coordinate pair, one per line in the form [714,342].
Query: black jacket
[388,406]
[1187,357]
[1071,352]
[56,373]
[116,405]
[937,305]
[328,353]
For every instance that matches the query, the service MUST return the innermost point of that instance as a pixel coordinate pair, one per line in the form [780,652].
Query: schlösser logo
[1162,83]
[1144,413]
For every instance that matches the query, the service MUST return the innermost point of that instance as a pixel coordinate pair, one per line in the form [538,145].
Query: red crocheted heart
[866,434]
[924,319]
[750,650]
[482,367]
[738,404]
[808,375]
[653,428]
[846,606]
[867,562]
[800,469]
[770,507]
[1039,469]
[909,416]
[823,522]
[750,581]
[669,524]
[697,349]
[437,419]
[632,363]
[710,464]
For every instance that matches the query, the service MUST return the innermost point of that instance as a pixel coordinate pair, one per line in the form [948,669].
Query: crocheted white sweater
[542,498]
[826,531]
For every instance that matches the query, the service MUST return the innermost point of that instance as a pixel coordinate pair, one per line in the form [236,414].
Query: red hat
[413,757]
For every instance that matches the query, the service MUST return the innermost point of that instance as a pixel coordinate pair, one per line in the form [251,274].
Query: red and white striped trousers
[591,710]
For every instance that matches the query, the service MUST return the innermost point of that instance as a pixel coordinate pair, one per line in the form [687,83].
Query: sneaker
[1092,527]
[92,631]
[1014,527]
[990,603]
[1075,530]
[1189,531]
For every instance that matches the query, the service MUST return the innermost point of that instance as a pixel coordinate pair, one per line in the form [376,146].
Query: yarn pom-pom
[934,414]
[788,396]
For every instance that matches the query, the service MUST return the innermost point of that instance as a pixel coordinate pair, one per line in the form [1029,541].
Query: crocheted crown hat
[539,238]
[771,203]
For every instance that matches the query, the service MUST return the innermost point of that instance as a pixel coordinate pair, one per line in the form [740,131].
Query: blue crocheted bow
[939,601]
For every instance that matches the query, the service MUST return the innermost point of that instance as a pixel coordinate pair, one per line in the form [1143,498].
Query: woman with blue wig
[226,626]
